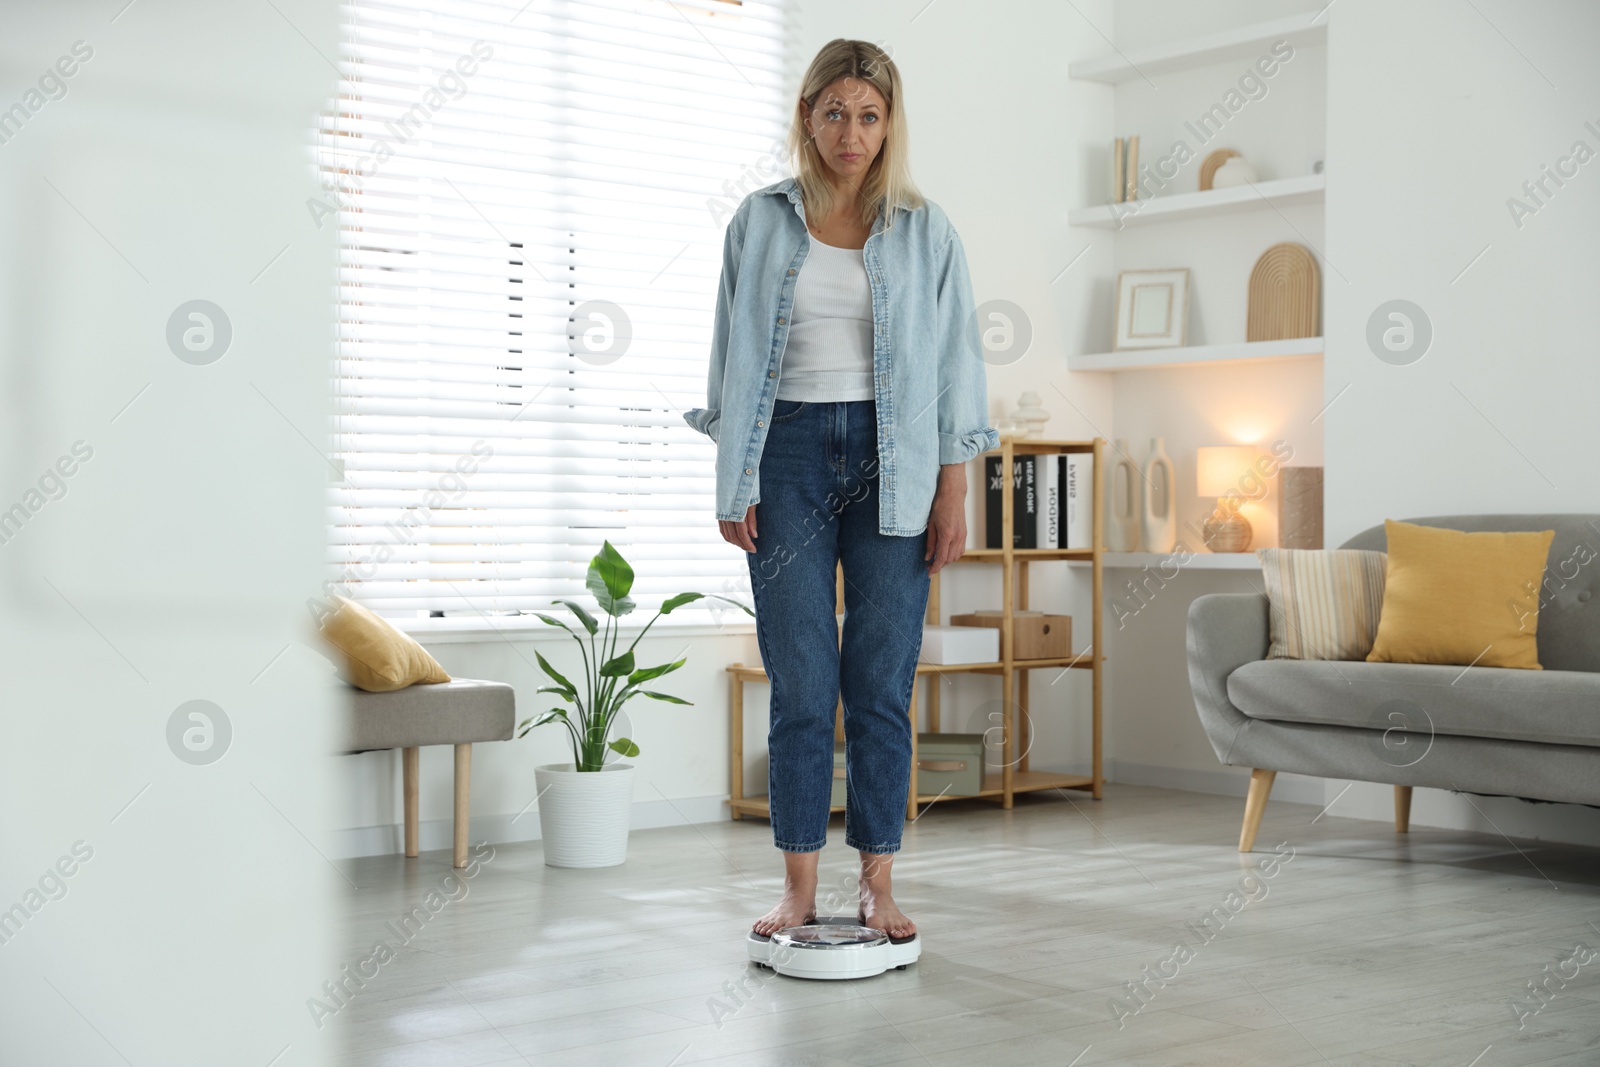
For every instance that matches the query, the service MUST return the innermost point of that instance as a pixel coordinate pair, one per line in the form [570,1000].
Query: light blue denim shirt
[930,389]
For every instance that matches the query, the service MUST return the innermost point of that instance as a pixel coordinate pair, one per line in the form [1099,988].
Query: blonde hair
[888,180]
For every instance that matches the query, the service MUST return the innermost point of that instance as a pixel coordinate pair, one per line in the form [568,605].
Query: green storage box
[951,764]
[837,800]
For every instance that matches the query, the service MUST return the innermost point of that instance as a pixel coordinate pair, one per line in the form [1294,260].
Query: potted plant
[584,805]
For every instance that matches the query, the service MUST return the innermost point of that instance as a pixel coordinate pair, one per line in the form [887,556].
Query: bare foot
[878,909]
[799,903]
[797,908]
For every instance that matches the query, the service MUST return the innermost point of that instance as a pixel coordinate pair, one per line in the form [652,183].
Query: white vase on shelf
[1122,480]
[1158,517]
[1234,172]
[1029,417]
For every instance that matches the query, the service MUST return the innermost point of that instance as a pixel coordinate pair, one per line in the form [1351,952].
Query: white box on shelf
[948,645]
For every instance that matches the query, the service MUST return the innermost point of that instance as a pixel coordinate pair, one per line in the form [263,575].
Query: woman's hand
[947,520]
[740,533]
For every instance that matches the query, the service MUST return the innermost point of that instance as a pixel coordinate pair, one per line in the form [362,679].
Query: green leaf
[668,697]
[624,747]
[583,616]
[609,580]
[734,602]
[644,674]
[555,622]
[552,672]
[618,667]
[688,598]
[566,693]
[553,715]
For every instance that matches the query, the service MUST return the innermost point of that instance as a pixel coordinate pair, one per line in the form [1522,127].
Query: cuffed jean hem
[791,847]
[878,849]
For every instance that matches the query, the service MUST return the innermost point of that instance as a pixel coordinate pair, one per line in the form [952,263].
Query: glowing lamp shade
[1223,471]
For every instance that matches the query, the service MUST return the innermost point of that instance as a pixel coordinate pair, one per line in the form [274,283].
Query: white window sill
[529,628]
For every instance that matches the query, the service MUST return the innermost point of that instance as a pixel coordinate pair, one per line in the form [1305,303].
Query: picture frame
[1152,309]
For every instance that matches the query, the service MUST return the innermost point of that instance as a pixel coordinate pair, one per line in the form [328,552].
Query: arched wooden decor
[1209,165]
[1285,294]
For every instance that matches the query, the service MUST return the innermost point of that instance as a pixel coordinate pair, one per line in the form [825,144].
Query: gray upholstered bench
[459,712]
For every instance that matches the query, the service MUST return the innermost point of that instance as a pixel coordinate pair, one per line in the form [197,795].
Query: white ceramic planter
[583,816]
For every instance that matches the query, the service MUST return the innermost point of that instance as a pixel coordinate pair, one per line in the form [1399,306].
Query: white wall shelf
[1280,192]
[1241,42]
[1206,561]
[1199,355]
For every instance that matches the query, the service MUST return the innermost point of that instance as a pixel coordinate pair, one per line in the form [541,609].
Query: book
[1024,502]
[1050,513]
[1079,493]
[1131,169]
[1119,183]
[1026,516]
[993,485]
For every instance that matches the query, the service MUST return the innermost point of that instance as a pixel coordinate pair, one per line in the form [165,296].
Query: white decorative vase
[1029,417]
[583,815]
[1122,524]
[1233,172]
[1158,517]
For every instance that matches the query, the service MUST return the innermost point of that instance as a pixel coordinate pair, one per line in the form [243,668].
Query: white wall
[1437,115]
[194,918]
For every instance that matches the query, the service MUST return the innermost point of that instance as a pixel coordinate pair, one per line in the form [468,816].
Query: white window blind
[531,199]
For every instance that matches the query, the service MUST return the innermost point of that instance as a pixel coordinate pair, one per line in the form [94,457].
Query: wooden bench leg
[1402,809]
[463,795]
[408,775]
[1255,806]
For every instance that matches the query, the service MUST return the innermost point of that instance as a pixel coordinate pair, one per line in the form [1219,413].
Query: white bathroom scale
[833,946]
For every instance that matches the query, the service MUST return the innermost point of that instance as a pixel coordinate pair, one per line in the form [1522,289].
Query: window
[531,199]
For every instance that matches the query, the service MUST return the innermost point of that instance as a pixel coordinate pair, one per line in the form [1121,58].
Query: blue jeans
[818,510]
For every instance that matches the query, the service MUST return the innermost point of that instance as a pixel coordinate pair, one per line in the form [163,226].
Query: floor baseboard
[436,834]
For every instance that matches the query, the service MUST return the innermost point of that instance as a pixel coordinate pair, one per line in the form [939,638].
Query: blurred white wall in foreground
[161,527]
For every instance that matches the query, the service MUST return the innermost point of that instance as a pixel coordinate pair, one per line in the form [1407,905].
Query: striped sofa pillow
[1325,602]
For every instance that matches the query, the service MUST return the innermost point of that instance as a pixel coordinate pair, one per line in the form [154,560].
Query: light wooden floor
[1367,948]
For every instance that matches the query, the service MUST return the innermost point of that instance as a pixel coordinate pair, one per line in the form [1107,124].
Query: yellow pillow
[1454,597]
[377,656]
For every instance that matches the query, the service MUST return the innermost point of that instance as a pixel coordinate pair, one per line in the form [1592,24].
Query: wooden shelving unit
[1014,775]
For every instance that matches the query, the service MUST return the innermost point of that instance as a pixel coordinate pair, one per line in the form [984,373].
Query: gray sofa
[1486,730]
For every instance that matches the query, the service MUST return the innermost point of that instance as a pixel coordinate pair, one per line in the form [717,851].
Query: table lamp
[1220,471]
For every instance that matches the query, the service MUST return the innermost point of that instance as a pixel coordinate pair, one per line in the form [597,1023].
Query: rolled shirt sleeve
[709,418]
[963,402]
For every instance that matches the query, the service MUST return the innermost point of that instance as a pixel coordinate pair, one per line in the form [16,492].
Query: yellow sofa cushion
[376,655]
[1467,598]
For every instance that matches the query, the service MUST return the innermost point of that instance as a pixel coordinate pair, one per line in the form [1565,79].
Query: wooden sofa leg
[1402,809]
[408,775]
[463,795]
[1255,806]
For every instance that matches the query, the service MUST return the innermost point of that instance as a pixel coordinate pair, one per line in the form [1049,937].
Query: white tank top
[828,355]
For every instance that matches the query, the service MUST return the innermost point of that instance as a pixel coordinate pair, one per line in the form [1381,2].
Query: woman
[846,395]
